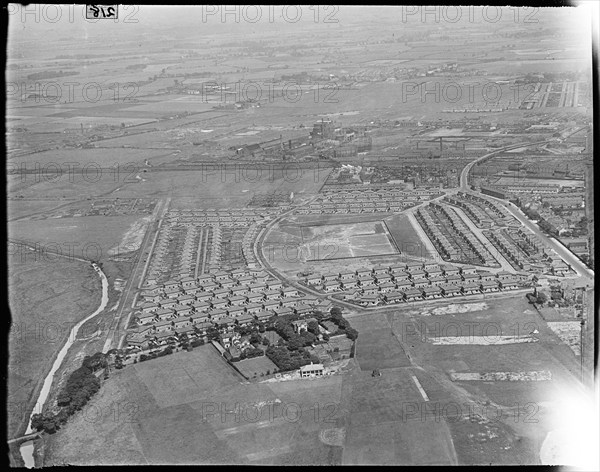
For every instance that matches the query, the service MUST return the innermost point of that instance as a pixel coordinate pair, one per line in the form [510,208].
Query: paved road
[116,333]
[505,265]
[464,175]
[570,258]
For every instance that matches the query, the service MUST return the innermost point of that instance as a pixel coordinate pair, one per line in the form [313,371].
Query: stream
[27,447]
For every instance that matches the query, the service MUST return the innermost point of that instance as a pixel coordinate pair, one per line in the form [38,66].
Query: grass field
[46,299]
[401,341]
[90,237]
[181,409]
[379,432]
[354,240]
[507,316]
[405,237]
[193,408]
[377,347]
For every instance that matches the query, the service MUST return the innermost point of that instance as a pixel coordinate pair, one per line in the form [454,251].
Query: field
[193,408]
[256,367]
[406,238]
[45,299]
[356,240]
[187,415]
[377,347]
[378,431]
[331,242]
[407,339]
[89,237]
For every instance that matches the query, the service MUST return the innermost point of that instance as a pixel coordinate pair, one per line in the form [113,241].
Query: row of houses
[204,287]
[358,191]
[474,212]
[248,245]
[509,249]
[233,305]
[494,209]
[367,283]
[199,324]
[236,212]
[356,208]
[251,284]
[444,290]
[460,229]
[397,272]
[438,238]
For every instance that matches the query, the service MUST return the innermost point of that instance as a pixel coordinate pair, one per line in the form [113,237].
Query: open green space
[407,240]
[187,415]
[46,299]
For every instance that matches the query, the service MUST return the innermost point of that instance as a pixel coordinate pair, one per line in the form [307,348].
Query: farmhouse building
[312,370]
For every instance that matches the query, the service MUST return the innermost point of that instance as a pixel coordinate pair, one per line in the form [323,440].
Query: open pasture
[378,430]
[45,298]
[90,237]
[377,346]
[210,418]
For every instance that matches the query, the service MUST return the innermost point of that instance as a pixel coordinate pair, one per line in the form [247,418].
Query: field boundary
[391,237]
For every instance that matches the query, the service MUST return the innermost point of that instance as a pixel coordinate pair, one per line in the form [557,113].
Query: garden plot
[569,332]
[536,375]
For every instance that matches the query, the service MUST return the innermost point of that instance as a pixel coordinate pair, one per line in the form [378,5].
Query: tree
[63,399]
[351,333]
[255,338]
[336,312]
[313,327]
[541,298]
[309,338]
[37,422]
[295,342]
[50,425]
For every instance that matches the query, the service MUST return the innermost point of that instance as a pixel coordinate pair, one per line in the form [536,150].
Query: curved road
[570,258]
[465,172]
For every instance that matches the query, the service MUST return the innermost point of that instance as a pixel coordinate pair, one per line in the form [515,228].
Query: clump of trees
[342,324]
[287,359]
[80,386]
